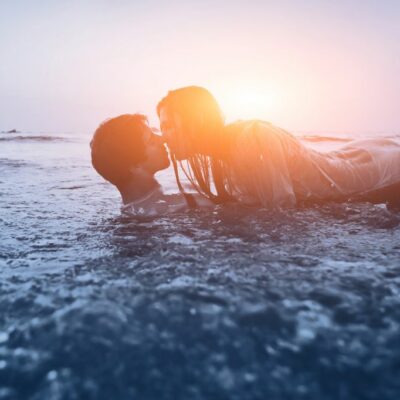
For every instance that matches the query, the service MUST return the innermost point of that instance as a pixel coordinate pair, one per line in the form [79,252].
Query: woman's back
[360,166]
[270,166]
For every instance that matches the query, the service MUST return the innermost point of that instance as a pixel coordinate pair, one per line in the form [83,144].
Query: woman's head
[193,127]
[190,120]
[123,143]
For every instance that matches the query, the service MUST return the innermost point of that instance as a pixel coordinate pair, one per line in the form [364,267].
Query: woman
[256,163]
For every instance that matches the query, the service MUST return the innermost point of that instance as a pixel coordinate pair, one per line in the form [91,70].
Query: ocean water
[224,304]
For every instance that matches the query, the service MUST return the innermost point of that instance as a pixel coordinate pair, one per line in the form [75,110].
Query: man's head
[123,144]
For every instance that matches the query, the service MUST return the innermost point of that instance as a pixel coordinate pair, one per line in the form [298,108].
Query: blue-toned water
[228,304]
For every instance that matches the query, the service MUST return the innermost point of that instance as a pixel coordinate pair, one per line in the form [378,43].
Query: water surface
[229,304]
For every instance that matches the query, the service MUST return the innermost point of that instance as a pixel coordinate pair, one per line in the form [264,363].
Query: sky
[305,65]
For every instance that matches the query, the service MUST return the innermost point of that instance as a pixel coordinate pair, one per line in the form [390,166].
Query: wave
[393,136]
[34,138]
[345,138]
[317,138]
[7,162]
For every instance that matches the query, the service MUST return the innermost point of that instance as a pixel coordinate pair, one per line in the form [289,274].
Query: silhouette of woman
[257,163]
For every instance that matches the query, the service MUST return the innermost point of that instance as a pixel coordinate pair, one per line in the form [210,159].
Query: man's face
[156,154]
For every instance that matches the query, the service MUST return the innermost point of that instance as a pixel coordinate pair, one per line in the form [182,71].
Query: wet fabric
[271,167]
[155,205]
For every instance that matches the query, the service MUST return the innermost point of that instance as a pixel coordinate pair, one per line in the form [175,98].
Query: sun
[248,102]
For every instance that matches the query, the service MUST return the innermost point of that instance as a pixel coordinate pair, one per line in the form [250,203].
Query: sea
[229,303]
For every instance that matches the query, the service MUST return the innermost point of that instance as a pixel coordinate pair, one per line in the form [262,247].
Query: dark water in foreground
[232,304]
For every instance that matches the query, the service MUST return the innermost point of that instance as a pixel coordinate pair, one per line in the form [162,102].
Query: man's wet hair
[117,146]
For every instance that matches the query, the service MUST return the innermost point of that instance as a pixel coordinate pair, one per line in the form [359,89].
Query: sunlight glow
[249,101]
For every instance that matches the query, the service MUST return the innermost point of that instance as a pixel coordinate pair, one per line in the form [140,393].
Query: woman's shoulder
[255,127]
[241,126]
[257,132]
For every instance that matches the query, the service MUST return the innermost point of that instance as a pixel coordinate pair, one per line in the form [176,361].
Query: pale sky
[305,65]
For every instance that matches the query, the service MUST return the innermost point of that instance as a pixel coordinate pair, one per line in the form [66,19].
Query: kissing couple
[250,162]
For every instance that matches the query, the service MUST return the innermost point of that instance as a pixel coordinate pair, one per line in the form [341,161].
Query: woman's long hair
[197,108]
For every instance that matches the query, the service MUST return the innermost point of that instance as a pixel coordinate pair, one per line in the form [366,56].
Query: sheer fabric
[154,204]
[160,204]
[269,166]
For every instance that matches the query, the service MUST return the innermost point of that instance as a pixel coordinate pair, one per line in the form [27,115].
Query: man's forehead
[146,133]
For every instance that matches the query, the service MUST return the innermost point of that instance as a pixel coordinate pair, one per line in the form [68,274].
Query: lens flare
[248,102]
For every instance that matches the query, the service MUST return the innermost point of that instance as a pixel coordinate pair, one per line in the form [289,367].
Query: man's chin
[165,165]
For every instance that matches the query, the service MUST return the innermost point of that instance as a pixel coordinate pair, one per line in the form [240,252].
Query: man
[127,153]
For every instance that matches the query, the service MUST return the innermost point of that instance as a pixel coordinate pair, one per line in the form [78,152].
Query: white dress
[156,204]
[269,166]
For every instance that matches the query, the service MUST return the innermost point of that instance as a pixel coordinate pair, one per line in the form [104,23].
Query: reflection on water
[229,304]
